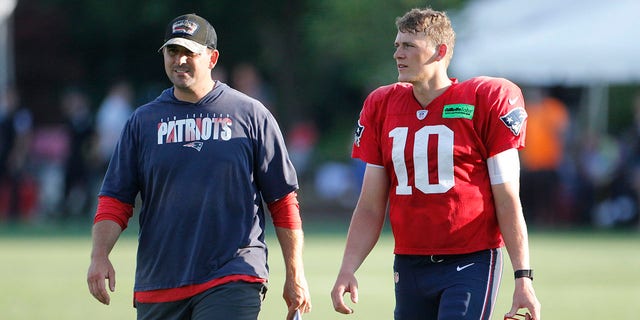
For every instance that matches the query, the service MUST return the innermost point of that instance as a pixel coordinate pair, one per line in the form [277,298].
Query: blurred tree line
[319,57]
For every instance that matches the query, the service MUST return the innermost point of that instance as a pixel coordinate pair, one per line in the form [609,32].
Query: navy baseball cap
[192,32]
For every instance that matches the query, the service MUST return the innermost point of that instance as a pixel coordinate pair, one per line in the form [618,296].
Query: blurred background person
[600,169]
[112,114]
[619,170]
[301,143]
[81,160]
[547,127]
[246,78]
[15,133]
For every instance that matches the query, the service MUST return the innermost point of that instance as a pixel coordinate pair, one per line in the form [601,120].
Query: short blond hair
[435,24]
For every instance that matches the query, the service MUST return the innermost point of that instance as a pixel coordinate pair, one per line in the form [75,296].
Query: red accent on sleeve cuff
[285,212]
[113,209]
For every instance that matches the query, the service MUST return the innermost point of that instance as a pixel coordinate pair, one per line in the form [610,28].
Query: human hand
[346,282]
[296,295]
[99,270]
[524,297]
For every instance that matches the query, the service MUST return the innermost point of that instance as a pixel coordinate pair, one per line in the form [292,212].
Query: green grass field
[579,275]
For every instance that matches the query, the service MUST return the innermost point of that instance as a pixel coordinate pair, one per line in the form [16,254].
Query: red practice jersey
[436,158]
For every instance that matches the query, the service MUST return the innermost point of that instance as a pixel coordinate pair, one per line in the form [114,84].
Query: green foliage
[319,56]
[361,34]
[357,32]
[621,114]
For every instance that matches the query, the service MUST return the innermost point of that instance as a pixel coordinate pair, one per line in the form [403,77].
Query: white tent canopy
[546,42]
[6,47]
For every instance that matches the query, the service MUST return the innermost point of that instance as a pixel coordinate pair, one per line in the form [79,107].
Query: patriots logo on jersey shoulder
[196,145]
[514,120]
[359,130]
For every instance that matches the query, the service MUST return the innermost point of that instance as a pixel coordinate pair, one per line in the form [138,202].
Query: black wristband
[525,273]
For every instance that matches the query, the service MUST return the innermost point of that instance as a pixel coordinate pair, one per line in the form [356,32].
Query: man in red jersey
[444,155]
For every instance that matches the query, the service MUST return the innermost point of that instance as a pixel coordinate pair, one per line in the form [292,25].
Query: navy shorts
[447,287]
[231,301]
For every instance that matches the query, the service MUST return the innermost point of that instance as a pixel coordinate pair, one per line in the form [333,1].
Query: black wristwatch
[525,273]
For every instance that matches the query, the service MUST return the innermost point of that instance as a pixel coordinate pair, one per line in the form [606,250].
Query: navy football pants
[447,287]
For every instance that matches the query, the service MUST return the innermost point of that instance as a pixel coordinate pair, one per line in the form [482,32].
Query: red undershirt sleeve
[113,209]
[285,212]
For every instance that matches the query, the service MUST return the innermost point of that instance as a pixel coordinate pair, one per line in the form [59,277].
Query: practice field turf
[579,275]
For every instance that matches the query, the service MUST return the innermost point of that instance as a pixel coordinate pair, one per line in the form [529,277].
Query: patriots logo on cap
[514,120]
[196,145]
[185,26]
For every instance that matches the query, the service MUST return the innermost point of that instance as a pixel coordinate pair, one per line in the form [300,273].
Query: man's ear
[441,51]
[215,54]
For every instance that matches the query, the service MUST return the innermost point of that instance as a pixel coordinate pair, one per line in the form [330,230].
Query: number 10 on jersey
[421,157]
